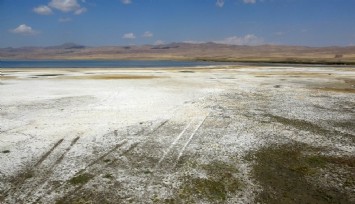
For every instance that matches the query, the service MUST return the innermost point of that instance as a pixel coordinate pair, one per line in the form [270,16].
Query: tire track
[159,126]
[178,147]
[100,158]
[134,145]
[48,153]
[189,140]
[103,156]
[74,141]
[124,152]
[29,173]
[41,182]
[172,145]
[174,150]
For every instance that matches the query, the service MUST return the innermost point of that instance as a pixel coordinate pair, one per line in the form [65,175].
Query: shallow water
[102,63]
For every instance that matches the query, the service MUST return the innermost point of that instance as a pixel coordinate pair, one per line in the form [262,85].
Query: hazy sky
[126,22]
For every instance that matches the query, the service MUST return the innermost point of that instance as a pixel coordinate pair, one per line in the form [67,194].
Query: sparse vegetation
[308,126]
[287,174]
[81,179]
[108,176]
[219,184]
[21,177]
[187,143]
[299,124]
[202,188]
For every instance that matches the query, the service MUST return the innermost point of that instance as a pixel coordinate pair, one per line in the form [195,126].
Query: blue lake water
[102,63]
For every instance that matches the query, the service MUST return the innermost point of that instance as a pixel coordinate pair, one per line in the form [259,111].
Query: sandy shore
[185,135]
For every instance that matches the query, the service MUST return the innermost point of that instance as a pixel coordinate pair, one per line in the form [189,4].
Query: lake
[103,63]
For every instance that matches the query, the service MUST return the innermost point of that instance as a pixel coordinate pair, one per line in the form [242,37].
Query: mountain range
[187,51]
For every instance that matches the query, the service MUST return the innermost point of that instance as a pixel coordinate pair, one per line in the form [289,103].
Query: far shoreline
[214,63]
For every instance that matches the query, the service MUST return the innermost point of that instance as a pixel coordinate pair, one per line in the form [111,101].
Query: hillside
[186,51]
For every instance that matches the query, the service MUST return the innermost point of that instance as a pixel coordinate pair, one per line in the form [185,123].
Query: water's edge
[103,63]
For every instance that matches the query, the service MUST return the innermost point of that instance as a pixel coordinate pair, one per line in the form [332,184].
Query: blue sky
[128,22]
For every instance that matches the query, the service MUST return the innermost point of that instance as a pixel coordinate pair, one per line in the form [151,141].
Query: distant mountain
[188,51]
[67,46]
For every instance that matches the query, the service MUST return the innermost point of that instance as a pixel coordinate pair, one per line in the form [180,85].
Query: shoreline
[229,61]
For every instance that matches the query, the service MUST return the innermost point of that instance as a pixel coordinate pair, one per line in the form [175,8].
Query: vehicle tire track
[100,158]
[177,148]
[134,145]
[172,145]
[104,155]
[189,140]
[159,126]
[74,141]
[124,150]
[48,153]
[171,150]
[41,183]
[16,186]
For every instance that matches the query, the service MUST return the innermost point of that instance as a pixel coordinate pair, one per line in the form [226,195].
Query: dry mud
[193,135]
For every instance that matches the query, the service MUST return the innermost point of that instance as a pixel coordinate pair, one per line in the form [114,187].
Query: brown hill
[186,51]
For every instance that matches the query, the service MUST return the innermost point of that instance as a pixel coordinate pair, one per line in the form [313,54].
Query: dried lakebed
[217,135]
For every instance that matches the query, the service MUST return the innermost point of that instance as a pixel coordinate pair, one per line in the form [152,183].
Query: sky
[136,22]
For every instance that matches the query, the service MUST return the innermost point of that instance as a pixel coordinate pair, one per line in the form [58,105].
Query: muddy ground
[188,135]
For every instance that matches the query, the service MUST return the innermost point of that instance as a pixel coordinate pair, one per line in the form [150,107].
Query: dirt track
[226,135]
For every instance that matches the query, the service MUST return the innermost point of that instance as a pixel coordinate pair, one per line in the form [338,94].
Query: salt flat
[232,134]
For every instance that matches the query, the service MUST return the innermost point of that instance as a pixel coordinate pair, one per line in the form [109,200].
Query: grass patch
[21,177]
[108,176]
[308,126]
[88,197]
[299,124]
[203,189]
[81,179]
[220,183]
[316,161]
[343,161]
[350,125]
[27,174]
[284,172]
